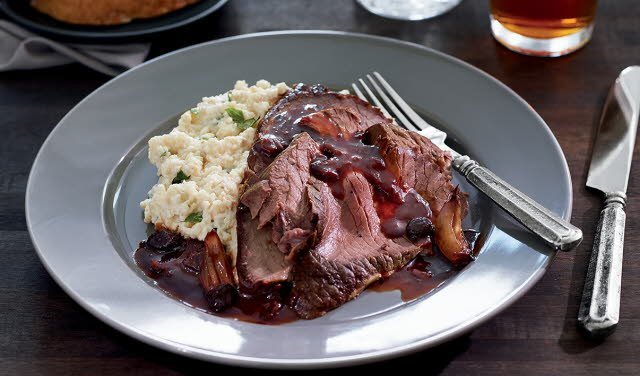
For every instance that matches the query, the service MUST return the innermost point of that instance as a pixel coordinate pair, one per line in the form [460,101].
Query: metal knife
[609,173]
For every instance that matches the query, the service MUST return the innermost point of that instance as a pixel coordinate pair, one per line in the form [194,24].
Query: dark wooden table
[42,331]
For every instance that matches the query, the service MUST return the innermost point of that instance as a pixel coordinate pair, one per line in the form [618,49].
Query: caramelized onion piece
[216,276]
[449,235]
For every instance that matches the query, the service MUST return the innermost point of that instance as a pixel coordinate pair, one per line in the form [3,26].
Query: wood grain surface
[42,331]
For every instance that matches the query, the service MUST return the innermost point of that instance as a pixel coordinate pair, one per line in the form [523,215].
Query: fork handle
[555,231]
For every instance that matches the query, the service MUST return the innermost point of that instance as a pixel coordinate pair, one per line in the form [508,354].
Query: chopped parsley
[235,114]
[248,123]
[165,153]
[229,96]
[194,217]
[180,177]
[194,111]
[238,117]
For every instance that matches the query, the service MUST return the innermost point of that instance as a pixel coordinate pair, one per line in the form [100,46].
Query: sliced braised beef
[280,124]
[338,197]
[421,165]
[274,217]
[351,252]
[416,161]
[353,206]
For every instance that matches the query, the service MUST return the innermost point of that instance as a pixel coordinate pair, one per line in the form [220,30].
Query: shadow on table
[572,340]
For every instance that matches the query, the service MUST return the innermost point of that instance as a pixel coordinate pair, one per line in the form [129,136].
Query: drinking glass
[413,10]
[543,27]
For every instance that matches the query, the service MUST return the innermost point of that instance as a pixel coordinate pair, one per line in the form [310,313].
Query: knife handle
[600,305]
[555,231]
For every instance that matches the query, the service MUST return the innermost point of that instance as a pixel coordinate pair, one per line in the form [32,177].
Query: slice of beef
[351,252]
[259,261]
[274,218]
[278,127]
[421,165]
[415,160]
[334,123]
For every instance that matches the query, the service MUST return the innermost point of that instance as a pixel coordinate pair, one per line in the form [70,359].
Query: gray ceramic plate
[85,185]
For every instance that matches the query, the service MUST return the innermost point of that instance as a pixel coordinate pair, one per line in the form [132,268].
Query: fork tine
[358,92]
[392,107]
[411,114]
[374,99]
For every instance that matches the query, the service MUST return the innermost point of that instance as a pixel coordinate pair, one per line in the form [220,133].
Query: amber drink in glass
[543,27]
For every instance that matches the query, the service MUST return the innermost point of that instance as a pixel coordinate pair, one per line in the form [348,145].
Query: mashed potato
[202,161]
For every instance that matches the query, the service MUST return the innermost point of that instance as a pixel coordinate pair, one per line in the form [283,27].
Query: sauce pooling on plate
[175,268]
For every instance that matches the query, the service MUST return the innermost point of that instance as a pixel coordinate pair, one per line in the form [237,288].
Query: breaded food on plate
[106,12]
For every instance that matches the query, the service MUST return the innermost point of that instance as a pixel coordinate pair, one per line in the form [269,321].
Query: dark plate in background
[21,12]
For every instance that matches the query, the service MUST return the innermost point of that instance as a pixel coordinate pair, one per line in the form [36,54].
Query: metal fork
[555,231]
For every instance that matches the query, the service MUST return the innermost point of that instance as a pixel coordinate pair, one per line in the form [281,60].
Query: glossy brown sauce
[424,273]
[396,205]
[260,310]
[421,275]
[173,273]
[286,126]
[176,273]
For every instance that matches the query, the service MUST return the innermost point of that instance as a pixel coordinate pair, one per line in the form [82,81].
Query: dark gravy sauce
[175,271]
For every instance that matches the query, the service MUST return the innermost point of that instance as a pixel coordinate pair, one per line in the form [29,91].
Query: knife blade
[609,173]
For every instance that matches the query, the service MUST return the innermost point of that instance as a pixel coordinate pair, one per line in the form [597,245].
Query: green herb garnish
[235,114]
[229,96]
[238,117]
[180,177]
[248,123]
[194,111]
[194,217]
[165,153]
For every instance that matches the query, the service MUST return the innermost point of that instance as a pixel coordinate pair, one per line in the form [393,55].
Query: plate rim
[305,363]
[104,35]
